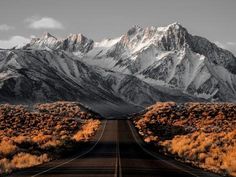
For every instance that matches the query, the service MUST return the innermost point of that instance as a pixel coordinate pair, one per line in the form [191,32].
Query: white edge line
[74,157]
[120,169]
[116,168]
[150,153]
[118,150]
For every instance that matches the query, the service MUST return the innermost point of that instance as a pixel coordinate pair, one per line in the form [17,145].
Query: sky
[21,20]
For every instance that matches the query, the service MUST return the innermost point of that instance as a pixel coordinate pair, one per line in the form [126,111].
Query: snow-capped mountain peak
[168,59]
[76,37]
[171,57]
[73,43]
[175,25]
[47,35]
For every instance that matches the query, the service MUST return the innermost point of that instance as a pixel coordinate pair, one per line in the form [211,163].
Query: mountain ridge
[142,66]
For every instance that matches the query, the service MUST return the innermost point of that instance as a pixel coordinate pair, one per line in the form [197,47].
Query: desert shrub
[20,139]
[52,144]
[229,161]
[50,127]
[7,147]
[24,160]
[87,130]
[5,166]
[203,134]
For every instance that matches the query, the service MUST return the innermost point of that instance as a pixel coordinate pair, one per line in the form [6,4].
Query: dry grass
[203,134]
[22,160]
[7,147]
[51,126]
[87,130]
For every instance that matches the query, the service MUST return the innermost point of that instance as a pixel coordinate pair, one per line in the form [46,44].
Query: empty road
[117,150]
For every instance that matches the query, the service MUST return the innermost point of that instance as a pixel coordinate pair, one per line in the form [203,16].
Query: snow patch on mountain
[161,57]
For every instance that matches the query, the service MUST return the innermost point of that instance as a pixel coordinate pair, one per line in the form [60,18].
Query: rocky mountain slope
[31,76]
[119,75]
[171,57]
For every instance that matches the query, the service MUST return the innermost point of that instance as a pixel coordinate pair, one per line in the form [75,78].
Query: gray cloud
[5,27]
[98,19]
[44,23]
[231,43]
[231,46]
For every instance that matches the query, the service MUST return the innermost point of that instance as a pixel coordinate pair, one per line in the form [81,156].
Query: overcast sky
[98,19]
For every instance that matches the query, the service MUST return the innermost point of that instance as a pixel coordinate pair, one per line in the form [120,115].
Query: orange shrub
[203,134]
[24,160]
[49,126]
[7,147]
[87,130]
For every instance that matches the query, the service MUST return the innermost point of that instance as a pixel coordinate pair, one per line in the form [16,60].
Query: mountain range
[120,75]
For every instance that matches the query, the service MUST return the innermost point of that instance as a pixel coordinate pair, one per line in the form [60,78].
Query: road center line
[118,169]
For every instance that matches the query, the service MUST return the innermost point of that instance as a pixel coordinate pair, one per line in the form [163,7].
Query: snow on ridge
[107,42]
[164,51]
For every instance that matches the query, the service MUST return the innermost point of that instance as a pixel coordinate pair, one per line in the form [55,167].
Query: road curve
[117,151]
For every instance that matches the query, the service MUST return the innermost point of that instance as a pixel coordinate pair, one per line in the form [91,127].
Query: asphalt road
[116,150]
